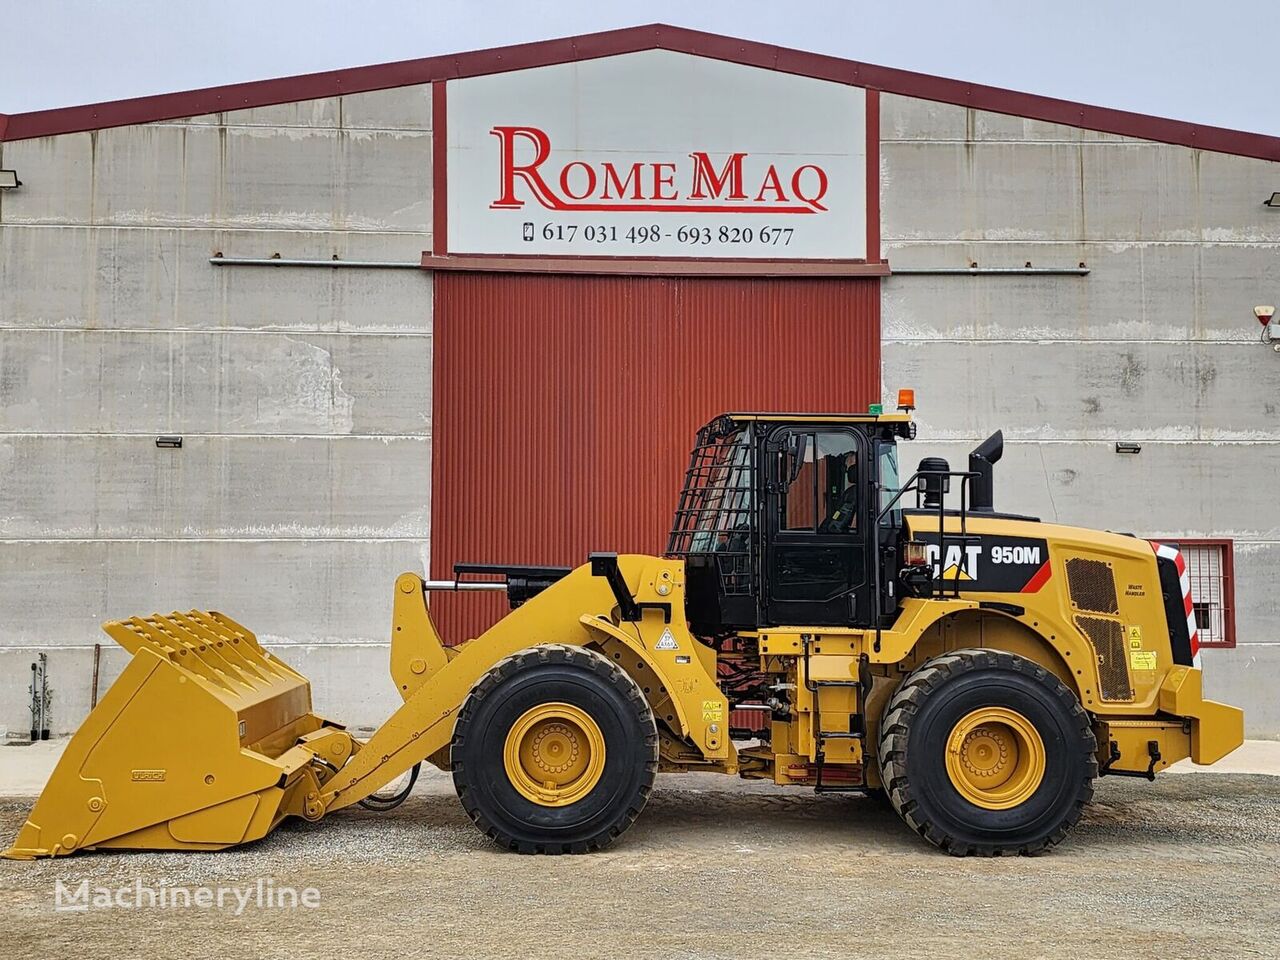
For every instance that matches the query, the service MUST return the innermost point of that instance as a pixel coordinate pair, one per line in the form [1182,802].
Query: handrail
[913,484]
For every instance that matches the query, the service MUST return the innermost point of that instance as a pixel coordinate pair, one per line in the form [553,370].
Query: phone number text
[691,235]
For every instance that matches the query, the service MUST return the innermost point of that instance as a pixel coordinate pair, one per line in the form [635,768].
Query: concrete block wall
[1157,344]
[303,394]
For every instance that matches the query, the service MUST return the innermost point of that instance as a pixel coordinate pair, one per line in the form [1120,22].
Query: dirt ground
[1185,867]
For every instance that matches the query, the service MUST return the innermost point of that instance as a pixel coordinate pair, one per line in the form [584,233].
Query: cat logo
[989,563]
[961,562]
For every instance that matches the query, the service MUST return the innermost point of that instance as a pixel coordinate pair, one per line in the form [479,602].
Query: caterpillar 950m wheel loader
[978,668]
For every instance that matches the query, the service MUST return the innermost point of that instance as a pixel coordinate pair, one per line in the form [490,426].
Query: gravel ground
[1185,867]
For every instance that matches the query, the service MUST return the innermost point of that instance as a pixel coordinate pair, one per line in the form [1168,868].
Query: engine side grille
[1107,637]
[1092,586]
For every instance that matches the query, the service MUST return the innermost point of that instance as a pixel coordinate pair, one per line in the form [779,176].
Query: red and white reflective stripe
[1184,580]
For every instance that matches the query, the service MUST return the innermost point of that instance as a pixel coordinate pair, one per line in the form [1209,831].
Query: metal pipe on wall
[219,261]
[990,271]
[97,663]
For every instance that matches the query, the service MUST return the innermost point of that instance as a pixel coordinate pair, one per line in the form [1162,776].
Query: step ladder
[856,721]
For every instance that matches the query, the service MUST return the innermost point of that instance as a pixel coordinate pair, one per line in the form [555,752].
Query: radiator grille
[1092,586]
[1107,637]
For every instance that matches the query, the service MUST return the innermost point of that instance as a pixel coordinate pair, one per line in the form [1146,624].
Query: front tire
[987,753]
[555,751]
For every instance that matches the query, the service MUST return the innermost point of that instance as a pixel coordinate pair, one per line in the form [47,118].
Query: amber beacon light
[906,399]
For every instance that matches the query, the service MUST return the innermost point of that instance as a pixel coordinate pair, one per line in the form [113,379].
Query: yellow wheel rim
[995,758]
[554,754]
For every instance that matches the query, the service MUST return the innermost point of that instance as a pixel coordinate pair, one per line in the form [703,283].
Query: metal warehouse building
[473,307]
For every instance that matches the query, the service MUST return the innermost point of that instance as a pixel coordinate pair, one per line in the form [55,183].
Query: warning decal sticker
[1142,659]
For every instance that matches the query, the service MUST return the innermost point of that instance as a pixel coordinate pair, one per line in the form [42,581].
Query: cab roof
[820,417]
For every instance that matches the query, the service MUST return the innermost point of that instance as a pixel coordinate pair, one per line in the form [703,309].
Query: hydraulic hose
[381,804]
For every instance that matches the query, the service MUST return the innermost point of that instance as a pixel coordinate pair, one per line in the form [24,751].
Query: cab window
[818,474]
[887,461]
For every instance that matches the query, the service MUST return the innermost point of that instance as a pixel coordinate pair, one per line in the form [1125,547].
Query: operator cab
[777,520]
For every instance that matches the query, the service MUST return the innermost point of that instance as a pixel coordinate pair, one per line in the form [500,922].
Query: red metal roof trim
[262,93]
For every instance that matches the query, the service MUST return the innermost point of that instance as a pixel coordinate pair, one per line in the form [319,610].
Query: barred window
[1211,569]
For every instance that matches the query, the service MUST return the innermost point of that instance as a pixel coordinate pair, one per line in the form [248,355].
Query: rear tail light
[915,554]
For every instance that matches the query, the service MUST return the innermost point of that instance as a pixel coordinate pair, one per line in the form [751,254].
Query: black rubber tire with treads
[545,674]
[913,743]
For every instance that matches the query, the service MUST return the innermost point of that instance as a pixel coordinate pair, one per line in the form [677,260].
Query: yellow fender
[606,629]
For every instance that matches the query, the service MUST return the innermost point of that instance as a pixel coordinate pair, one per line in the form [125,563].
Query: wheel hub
[555,748]
[995,758]
[554,754]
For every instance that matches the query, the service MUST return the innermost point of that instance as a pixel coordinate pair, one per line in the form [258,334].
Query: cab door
[817,517]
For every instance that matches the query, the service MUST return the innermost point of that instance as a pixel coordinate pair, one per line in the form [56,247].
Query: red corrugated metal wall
[565,405]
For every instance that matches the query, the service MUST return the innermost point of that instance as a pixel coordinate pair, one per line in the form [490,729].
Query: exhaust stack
[984,456]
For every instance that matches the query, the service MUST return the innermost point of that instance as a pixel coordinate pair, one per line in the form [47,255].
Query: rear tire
[555,751]
[987,753]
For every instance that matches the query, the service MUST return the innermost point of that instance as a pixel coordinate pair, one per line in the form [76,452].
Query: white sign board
[656,154]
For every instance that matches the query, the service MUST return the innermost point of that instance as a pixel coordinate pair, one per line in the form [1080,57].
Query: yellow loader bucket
[205,741]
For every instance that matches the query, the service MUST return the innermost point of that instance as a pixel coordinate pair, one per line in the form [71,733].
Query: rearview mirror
[797,444]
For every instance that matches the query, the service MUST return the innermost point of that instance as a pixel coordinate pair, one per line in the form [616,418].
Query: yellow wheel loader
[977,669]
